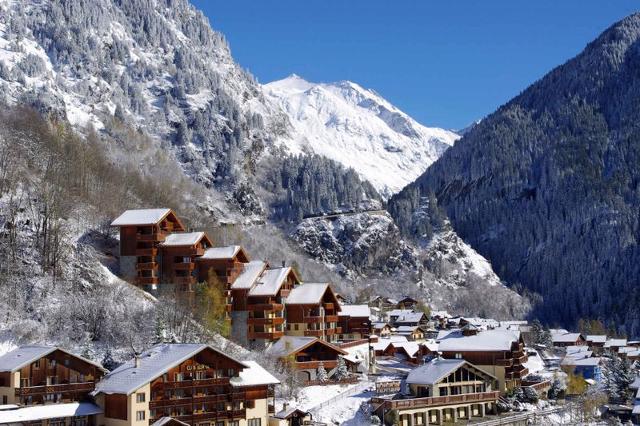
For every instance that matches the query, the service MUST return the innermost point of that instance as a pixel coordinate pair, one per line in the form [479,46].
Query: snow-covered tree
[618,377]
[341,370]
[321,373]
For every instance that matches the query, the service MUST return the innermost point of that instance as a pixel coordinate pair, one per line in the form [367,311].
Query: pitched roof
[383,343]
[287,345]
[410,348]
[489,340]
[355,311]
[285,414]
[168,420]
[252,376]
[590,362]
[183,239]
[398,312]
[141,217]
[25,355]
[597,338]
[228,252]
[410,317]
[407,328]
[49,411]
[250,273]
[565,338]
[154,362]
[307,294]
[434,371]
[615,342]
[270,282]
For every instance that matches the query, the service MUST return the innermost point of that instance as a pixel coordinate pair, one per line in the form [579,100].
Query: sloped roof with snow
[565,338]
[253,376]
[407,328]
[489,340]
[597,338]
[307,294]
[398,312]
[287,345]
[588,362]
[168,420]
[434,371]
[154,362]
[383,343]
[140,217]
[183,239]
[270,282]
[228,252]
[250,273]
[49,411]
[25,355]
[410,317]
[355,311]
[615,342]
[411,348]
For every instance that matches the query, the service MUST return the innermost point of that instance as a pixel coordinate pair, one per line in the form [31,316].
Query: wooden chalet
[499,352]
[141,232]
[265,304]
[407,303]
[312,310]
[306,354]
[191,383]
[227,263]
[443,391]
[355,322]
[568,339]
[291,416]
[31,375]
[179,254]
[381,329]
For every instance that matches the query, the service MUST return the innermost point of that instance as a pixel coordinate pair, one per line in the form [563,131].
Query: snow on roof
[307,294]
[355,311]
[615,342]
[627,349]
[635,384]
[285,414]
[140,217]
[576,349]
[558,331]
[270,282]
[380,325]
[383,343]
[166,420]
[589,362]
[434,371]
[182,239]
[410,317]
[407,328]
[287,345]
[597,338]
[636,409]
[411,348]
[565,338]
[49,411]
[253,376]
[398,312]
[250,273]
[227,252]
[440,314]
[24,355]
[431,345]
[154,362]
[490,340]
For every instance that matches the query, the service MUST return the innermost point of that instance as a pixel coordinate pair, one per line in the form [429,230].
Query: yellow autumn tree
[211,304]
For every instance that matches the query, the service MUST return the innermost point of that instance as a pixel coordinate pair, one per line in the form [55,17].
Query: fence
[531,417]
[349,392]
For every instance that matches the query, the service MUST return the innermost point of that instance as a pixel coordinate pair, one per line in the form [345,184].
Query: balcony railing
[192,383]
[60,388]
[267,307]
[184,266]
[147,280]
[266,321]
[147,265]
[147,251]
[308,365]
[331,318]
[440,400]
[504,362]
[268,335]
[314,333]
[156,236]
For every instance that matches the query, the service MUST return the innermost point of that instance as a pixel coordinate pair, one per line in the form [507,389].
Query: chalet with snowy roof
[141,232]
[383,303]
[596,342]
[265,304]
[227,263]
[291,416]
[407,303]
[382,329]
[312,310]
[411,332]
[384,347]
[443,391]
[192,383]
[568,339]
[179,254]
[307,354]
[355,322]
[612,345]
[499,352]
[34,375]
[586,366]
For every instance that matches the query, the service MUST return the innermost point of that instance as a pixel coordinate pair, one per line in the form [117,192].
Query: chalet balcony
[313,365]
[184,266]
[520,360]
[329,306]
[314,333]
[152,251]
[313,319]
[62,388]
[188,401]
[184,280]
[331,318]
[147,266]
[268,335]
[266,321]
[435,401]
[265,307]
[183,384]
[156,236]
[191,418]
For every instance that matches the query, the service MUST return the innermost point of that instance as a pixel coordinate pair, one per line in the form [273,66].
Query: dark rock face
[548,187]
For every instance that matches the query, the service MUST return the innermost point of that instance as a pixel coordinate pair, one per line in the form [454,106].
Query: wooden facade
[57,377]
[314,319]
[179,266]
[354,328]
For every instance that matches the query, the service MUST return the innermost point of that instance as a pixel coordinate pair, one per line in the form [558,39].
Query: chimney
[285,405]
[284,263]
[136,358]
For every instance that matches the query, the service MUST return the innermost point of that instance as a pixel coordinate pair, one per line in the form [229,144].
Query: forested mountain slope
[548,186]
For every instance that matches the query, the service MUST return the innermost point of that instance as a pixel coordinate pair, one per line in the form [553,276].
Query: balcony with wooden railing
[314,333]
[331,318]
[156,236]
[147,265]
[267,335]
[197,416]
[265,307]
[184,266]
[147,280]
[312,319]
[312,365]
[192,383]
[266,321]
[507,362]
[147,251]
[435,401]
[53,389]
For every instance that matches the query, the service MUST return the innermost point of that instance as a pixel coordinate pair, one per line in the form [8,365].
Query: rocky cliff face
[547,186]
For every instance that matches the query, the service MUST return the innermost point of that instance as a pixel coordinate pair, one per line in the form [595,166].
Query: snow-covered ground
[358,128]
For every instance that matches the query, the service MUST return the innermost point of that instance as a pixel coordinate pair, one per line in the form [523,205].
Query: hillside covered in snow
[359,129]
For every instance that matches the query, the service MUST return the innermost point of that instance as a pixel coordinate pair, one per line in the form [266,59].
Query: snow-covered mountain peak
[358,128]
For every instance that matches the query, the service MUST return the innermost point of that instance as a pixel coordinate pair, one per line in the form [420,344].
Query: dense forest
[548,187]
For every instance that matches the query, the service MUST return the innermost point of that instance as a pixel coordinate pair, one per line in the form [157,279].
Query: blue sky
[446,63]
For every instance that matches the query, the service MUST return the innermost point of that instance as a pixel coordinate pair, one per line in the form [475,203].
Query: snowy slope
[359,129]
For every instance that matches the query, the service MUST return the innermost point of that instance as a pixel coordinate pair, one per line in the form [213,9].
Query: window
[254,422]
[458,356]
[234,423]
[295,326]
[179,377]
[36,364]
[140,415]
[140,397]
[52,364]
[220,423]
